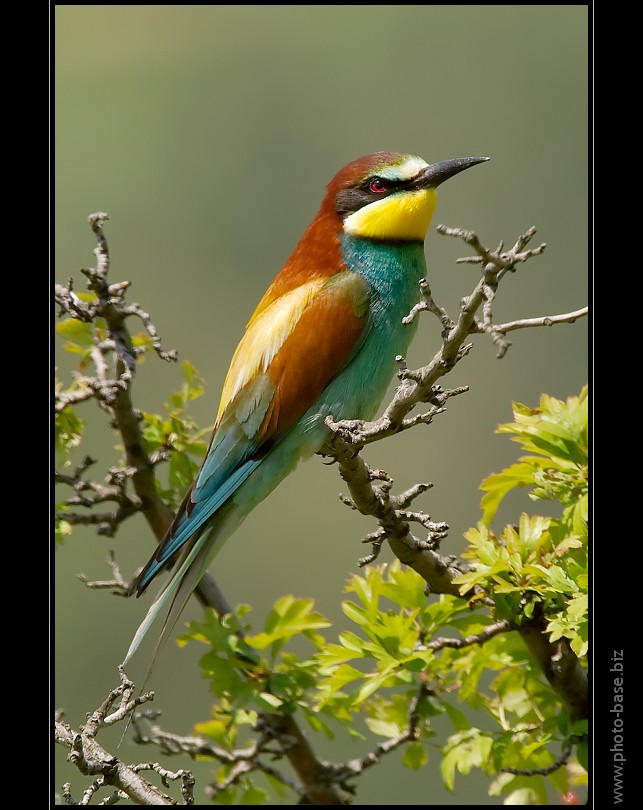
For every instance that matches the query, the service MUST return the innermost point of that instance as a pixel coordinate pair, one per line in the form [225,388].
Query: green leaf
[367,588]
[415,756]
[418,662]
[335,654]
[316,721]
[579,646]
[557,432]
[383,728]
[216,730]
[250,794]
[526,790]
[355,613]
[62,530]
[289,617]
[458,718]
[558,580]
[465,750]
[226,796]
[78,334]
[396,634]
[69,429]
[372,684]
[222,672]
[498,485]
[531,531]
[404,588]
[340,676]
[526,795]
[578,607]
[352,642]
[447,768]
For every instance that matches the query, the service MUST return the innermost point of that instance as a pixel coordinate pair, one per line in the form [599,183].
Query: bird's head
[390,195]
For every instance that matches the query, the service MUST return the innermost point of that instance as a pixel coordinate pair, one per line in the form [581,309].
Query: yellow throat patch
[404,215]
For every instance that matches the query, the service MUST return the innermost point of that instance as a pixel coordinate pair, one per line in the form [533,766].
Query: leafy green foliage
[68,426]
[557,433]
[542,562]
[408,663]
[68,434]
[176,435]
[62,528]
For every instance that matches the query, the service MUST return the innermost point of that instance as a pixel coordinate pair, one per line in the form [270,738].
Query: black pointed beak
[437,173]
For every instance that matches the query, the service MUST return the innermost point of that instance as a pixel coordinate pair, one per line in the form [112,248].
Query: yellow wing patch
[403,215]
[267,330]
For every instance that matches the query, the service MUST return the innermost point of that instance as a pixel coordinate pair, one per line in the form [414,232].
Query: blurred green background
[208,134]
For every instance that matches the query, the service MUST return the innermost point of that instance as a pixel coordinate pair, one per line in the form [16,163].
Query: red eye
[378,185]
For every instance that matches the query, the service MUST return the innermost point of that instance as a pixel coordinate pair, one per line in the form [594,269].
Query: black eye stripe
[349,200]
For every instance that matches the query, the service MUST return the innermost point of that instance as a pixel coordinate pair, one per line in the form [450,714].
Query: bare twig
[172,744]
[428,304]
[119,586]
[135,309]
[89,494]
[93,760]
[545,320]
[186,777]
[66,398]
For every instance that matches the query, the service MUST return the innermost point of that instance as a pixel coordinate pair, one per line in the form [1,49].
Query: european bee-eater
[322,342]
